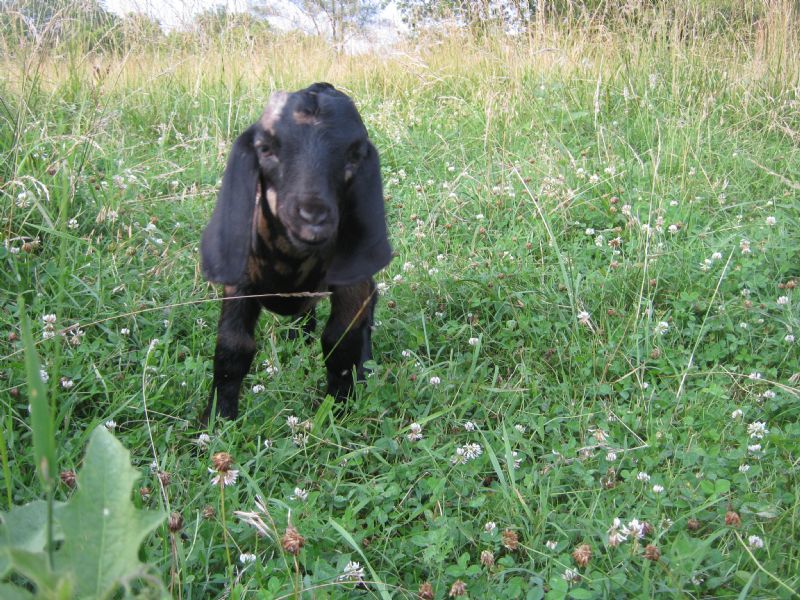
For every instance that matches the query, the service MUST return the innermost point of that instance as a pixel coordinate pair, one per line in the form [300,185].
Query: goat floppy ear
[226,240]
[362,248]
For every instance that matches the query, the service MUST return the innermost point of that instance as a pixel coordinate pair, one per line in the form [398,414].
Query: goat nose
[313,214]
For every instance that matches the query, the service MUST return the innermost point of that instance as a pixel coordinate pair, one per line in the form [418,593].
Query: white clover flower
[658,489]
[225,478]
[599,241]
[300,439]
[635,527]
[383,287]
[550,544]
[716,256]
[203,440]
[757,429]
[642,476]
[435,380]
[571,575]
[589,231]
[66,383]
[408,266]
[594,178]
[352,571]
[466,453]
[662,327]
[754,448]
[299,494]
[490,527]
[247,557]
[397,278]
[611,456]
[783,300]
[755,542]
[415,432]
[744,325]
[44,376]
[737,414]
[125,331]
[433,271]
[469,426]
[754,376]
[789,338]
[49,319]
[521,428]
[583,317]
[771,221]
[744,468]
[768,394]
[479,217]
[744,246]
[292,422]
[473,341]
[405,353]
[258,388]
[111,424]
[268,443]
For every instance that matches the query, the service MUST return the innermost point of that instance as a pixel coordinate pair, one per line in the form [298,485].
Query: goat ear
[363,246]
[226,239]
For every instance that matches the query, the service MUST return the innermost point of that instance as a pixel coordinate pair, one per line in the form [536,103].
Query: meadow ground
[586,356]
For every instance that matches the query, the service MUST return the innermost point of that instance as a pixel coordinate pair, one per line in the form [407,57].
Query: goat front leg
[347,339]
[236,347]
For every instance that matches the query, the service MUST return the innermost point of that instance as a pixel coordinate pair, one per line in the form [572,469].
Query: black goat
[300,211]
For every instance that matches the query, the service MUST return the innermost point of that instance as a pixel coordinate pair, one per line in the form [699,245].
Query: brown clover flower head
[487,558]
[425,591]
[459,588]
[68,478]
[582,555]
[175,522]
[222,462]
[292,541]
[510,539]
[652,552]
[732,519]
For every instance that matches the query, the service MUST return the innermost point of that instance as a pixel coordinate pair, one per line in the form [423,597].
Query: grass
[551,201]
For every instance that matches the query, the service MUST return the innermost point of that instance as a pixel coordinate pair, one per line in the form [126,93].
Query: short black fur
[300,211]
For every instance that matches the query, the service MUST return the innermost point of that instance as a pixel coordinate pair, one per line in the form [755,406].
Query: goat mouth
[303,239]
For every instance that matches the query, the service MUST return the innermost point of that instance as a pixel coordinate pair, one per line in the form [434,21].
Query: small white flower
[768,394]
[292,422]
[737,414]
[743,325]
[44,376]
[258,388]
[473,341]
[783,300]
[771,221]
[789,338]
[755,542]
[48,333]
[673,229]
[398,278]
[300,439]
[466,453]
[589,231]
[599,241]
[299,494]
[153,343]
[550,544]
[203,440]
[67,383]
[754,448]
[611,456]
[757,429]
[520,427]
[571,575]
[111,424]
[517,461]
[754,376]
[635,527]
[268,444]
[405,353]
[247,557]
[583,317]
[415,432]
[469,426]
[383,287]
[658,489]
[407,266]
[490,527]
[49,319]
[150,227]
[125,331]
[744,468]
[435,380]
[227,478]
[642,476]
[433,271]
[352,571]
[662,327]
[479,217]
[744,246]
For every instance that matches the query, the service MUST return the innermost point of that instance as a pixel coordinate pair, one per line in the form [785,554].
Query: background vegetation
[592,314]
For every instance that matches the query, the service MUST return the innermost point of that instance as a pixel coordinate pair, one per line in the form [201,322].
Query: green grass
[499,158]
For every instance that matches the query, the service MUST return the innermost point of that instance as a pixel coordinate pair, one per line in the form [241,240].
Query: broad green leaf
[12,592]
[34,566]
[22,527]
[102,528]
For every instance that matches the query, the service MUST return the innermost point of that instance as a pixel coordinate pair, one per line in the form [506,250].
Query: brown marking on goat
[305,268]
[272,201]
[350,304]
[273,110]
[230,290]
[283,244]
[282,268]
[302,117]
[255,267]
